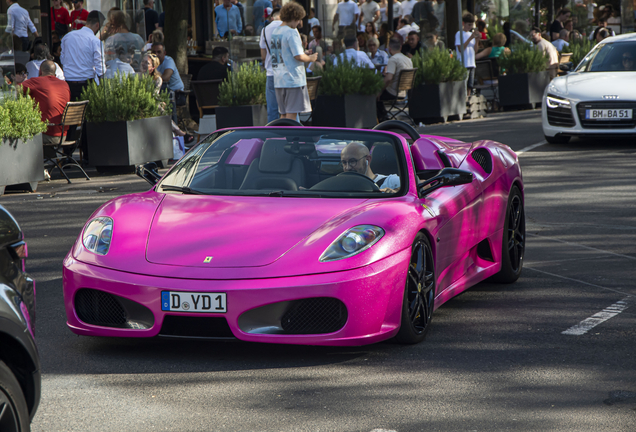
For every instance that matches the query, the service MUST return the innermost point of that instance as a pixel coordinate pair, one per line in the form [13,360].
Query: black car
[20,379]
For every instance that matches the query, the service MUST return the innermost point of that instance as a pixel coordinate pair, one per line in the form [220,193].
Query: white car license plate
[177,301]
[608,114]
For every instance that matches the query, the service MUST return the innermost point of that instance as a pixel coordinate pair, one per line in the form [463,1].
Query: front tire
[557,139]
[513,242]
[419,293]
[14,413]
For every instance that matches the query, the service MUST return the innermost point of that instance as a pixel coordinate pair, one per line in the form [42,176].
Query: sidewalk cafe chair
[206,93]
[564,58]
[312,89]
[406,82]
[60,154]
[487,77]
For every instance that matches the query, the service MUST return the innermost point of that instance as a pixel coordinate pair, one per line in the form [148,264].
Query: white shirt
[347,11]
[404,31]
[114,66]
[82,55]
[33,69]
[559,44]
[361,58]
[407,7]
[266,34]
[392,181]
[312,22]
[469,52]
[369,9]
[19,21]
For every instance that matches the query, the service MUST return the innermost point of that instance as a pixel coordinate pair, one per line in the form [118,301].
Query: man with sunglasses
[355,157]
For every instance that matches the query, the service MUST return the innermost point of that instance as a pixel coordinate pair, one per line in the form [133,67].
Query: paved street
[517,357]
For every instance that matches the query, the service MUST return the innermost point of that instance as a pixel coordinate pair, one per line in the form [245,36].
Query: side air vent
[483,158]
[100,308]
[314,316]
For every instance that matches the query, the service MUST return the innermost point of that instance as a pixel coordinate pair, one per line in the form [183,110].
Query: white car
[598,98]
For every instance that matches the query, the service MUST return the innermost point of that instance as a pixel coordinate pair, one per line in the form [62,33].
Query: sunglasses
[629,59]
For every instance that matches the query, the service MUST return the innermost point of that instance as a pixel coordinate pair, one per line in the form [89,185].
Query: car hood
[216,232]
[593,86]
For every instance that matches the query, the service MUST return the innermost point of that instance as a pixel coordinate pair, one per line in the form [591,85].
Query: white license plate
[608,114]
[178,301]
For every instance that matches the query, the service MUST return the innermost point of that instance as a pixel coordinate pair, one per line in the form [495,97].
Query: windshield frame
[203,146]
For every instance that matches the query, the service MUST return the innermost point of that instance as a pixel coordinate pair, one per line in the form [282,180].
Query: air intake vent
[99,308]
[482,157]
[314,316]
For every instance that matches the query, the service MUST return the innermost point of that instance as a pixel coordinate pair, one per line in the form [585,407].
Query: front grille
[314,316]
[100,308]
[189,326]
[483,158]
[561,117]
[606,124]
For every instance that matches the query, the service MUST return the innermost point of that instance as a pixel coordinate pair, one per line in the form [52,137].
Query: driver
[356,157]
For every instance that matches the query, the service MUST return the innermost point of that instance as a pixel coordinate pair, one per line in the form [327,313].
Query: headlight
[555,102]
[98,234]
[352,242]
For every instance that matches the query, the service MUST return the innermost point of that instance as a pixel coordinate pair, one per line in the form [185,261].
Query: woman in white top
[40,54]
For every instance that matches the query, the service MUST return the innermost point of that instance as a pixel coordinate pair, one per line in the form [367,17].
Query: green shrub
[346,77]
[245,86]
[579,49]
[126,97]
[437,66]
[523,58]
[20,118]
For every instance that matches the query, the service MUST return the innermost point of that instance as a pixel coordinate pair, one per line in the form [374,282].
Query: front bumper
[372,296]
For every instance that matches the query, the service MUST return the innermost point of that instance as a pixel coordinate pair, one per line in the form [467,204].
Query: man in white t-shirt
[397,62]
[470,36]
[355,157]
[407,7]
[548,49]
[270,93]
[346,16]
[370,13]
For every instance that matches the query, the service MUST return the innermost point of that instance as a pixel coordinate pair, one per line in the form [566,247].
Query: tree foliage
[523,58]
[437,66]
[125,97]
[20,118]
[346,77]
[245,86]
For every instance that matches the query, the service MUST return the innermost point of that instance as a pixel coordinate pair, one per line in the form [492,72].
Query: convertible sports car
[598,98]
[259,234]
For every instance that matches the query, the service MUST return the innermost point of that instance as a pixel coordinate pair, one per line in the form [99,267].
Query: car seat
[383,159]
[275,169]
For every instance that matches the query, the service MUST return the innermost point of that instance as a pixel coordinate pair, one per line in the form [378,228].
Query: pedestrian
[218,67]
[270,92]
[346,16]
[149,64]
[81,55]
[352,53]
[151,16]
[370,13]
[60,18]
[563,40]
[170,76]
[377,56]
[78,15]
[40,54]
[288,60]
[228,19]
[258,10]
[18,22]
[241,9]
[557,25]
[122,39]
[548,49]
[412,45]
[470,36]
[312,22]
[52,95]
[397,62]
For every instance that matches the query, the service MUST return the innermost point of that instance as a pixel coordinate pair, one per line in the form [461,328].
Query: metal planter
[128,143]
[240,116]
[348,111]
[435,101]
[522,89]
[21,162]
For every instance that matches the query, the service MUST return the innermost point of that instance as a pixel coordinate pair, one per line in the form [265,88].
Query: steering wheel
[354,174]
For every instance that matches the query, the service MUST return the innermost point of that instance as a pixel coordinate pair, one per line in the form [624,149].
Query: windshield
[610,57]
[291,162]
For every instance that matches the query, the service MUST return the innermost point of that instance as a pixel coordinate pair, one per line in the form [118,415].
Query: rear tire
[513,242]
[419,293]
[14,413]
[557,139]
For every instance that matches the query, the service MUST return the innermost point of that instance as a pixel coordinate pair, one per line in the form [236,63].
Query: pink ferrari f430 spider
[300,235]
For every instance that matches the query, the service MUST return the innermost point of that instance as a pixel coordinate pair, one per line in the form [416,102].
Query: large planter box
[21,162]
[522,89]
[129,143]
[435,101]
[348,111]
[240,116]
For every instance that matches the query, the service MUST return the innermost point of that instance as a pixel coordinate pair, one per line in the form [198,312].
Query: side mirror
[446,177]
[148,172]
[566,67]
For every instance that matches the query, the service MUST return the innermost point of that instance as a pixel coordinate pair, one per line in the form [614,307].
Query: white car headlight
[352,242]
[557,102]
[98,234]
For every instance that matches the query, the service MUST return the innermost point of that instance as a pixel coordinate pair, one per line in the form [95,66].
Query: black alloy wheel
[419,294]
[514,239]
[14,414]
